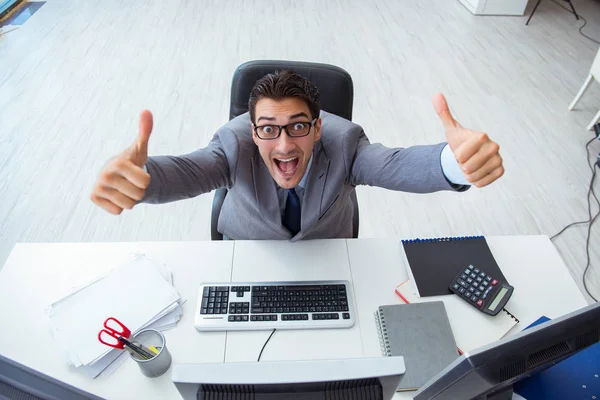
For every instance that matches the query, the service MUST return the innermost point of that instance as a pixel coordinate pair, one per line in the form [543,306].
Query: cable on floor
[580,16]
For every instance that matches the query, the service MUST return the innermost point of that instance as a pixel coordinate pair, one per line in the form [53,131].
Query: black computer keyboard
[267,305]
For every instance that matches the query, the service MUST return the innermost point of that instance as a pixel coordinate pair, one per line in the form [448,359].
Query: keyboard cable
[264,345]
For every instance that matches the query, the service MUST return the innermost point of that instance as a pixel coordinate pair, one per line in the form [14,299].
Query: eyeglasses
[295,129]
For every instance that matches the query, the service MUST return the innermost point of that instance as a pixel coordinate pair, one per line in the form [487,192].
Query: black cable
[264,345]
[590,191]
[581,27]
[587,249]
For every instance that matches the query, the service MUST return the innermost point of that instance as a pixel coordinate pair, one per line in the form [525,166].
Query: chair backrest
[337,97]
[334,84]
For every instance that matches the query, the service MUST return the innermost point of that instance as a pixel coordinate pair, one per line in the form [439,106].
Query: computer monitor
[355,378]
[20,382]
[490,371]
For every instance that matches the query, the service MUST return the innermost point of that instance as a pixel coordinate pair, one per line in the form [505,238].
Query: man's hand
[475,152]
[122,182]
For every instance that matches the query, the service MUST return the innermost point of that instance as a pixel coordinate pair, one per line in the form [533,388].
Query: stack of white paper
[140,294]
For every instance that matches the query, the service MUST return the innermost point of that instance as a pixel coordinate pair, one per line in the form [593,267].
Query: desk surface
[36,274]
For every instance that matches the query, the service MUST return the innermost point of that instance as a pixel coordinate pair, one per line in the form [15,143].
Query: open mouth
[287,166]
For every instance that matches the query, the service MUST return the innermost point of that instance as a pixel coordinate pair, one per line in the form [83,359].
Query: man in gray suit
[290,167]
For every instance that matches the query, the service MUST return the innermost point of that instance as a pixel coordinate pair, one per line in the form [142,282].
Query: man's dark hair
[282,84]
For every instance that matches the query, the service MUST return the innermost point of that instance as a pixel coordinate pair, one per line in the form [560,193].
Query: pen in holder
[161,361]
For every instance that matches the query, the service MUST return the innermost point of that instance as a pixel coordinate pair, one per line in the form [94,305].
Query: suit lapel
[315,186]
[266,195]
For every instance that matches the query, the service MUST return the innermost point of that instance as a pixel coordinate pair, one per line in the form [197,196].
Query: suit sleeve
[415,169]
[175,178]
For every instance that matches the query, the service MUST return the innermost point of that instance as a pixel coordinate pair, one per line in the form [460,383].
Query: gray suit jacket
[342,159]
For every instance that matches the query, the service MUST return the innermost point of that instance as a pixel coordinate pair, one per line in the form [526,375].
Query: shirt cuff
[451,168]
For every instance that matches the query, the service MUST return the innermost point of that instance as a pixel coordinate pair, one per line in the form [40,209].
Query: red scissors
[114,330]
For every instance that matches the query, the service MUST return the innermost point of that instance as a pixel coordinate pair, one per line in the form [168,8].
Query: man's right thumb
[145,129]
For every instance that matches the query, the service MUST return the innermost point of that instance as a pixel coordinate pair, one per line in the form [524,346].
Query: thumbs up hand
[122,181]
[477,155]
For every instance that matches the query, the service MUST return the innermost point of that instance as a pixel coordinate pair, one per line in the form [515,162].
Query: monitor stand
[504,394]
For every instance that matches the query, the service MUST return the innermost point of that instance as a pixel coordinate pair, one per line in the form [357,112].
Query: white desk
[37,274]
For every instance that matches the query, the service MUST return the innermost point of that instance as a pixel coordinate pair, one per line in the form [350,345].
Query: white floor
[74,78]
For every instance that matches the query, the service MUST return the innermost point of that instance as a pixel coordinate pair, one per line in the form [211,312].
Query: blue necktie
[291,217]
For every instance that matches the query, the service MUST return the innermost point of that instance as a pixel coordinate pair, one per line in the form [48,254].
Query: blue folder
[577,377]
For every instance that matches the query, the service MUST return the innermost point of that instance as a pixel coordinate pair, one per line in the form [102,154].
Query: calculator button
[481,288]
[479,279]
[469,280]
[488,289]
[463,277]
[484,283]
[478,294]
[488,278]
[473,276]
[476,270]
[455,286]
[479,303]
[494,282]
[471,289]
[484,295]
[482,274]
[461,290]
[463,283]
[467,271]
[474,299]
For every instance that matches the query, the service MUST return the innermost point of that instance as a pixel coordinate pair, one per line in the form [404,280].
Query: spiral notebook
[420,333]
[435,262]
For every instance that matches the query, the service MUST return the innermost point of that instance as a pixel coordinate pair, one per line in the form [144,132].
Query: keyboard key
[346,315]
[252,317]
[257,310]
[246,288]
[336,316]
[238,318]
[260,317]
[234,289]
[231,318]
[240,294]
[244,318]
[255,289]
[205,291]
[204,310]
[212,294]
[222,288]
[344,308]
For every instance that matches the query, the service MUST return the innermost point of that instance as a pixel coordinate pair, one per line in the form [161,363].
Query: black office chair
[337,96]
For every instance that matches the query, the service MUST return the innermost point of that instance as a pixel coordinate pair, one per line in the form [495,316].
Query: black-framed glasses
[295,129]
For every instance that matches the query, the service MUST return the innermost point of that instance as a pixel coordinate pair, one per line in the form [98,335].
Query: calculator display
[498,299]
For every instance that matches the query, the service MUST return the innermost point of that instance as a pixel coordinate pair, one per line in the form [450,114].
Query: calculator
[481,290]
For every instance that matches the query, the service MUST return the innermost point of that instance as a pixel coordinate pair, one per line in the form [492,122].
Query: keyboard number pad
[215,300]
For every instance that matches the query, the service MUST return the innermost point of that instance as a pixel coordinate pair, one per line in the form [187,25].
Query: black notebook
[435,262]
[421,333]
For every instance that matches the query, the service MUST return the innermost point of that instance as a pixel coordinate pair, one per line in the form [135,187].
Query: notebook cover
[435,262]
[577,377]
[471,328]
[422,334]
